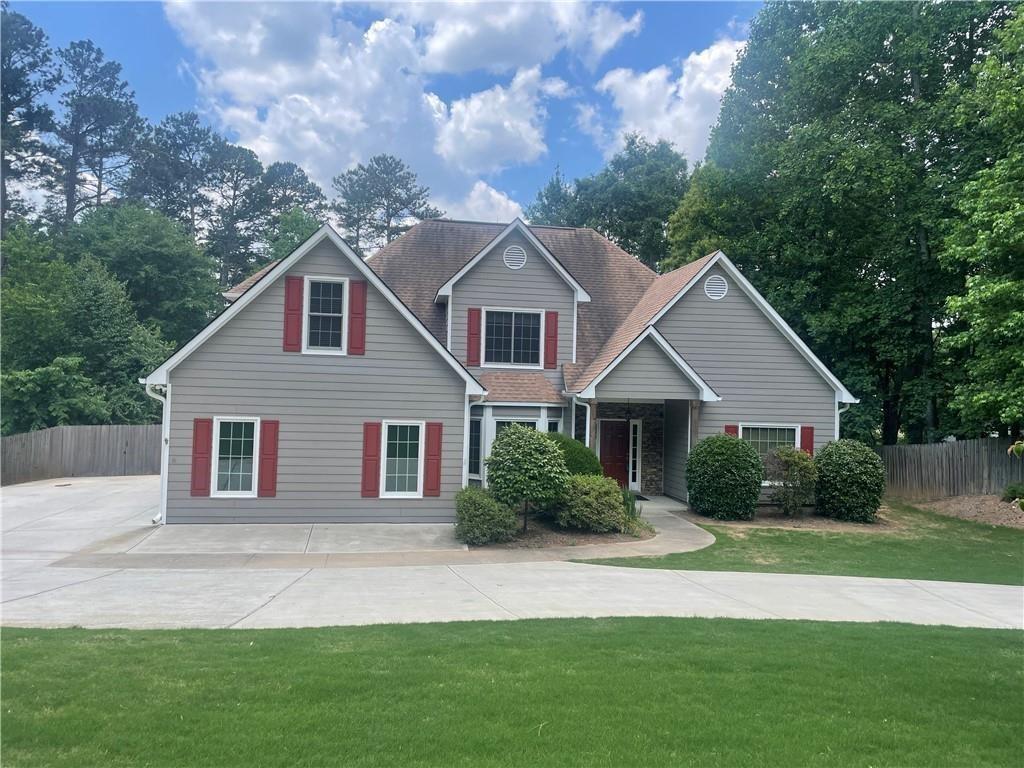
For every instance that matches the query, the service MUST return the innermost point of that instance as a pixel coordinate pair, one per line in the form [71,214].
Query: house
[334,389]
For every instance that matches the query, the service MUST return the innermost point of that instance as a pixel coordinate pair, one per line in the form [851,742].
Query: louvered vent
[515,257]
[715,287]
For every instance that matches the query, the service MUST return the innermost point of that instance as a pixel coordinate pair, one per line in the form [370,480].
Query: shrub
[482,519]
[526,468]
[594,504]
[795,475]
[1013,491]
[851,480]
[629,504]
[579,459]
[723,477]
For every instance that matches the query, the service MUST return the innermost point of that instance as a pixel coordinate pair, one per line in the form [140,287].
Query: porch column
[593,424]
[694,423]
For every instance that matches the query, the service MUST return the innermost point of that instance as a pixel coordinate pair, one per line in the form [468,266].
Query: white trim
[421,459]
[308,350]
[483,338]
[215,458]
[517,223]
[467,474]
[575,314]
[639,456]
[521,404]
[465,443]
[159,376]
[722,260]
[703,388]
[448,326]
[165,444]
[516,250]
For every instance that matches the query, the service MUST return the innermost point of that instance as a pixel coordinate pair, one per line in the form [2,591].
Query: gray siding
[536,286]
[677,413]
[321,402]
[646,373]
[759,375]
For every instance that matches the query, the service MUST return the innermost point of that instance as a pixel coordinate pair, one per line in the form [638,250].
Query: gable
[324,253]
[647,372]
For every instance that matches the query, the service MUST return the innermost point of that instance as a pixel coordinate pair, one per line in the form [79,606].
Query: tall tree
[831,172]
[235,178]
[29,72]
[172,168]
[293,229]
[379,201]
[169,280]
[285,187]
[629,201]
[97,130]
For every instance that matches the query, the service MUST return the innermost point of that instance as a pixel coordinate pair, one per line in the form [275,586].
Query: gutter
[586,425]
[165,443]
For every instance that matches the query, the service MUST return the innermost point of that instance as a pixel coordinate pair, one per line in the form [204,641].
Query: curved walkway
[43,536]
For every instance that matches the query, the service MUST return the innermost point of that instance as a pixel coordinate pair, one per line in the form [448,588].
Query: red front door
[615,450]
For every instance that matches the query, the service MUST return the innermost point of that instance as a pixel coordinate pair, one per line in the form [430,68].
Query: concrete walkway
[49,526]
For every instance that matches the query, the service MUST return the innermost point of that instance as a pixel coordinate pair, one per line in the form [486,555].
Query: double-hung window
[402,468]
[325,331]
[236,445]
[475,426]
[512,337]
[766,438]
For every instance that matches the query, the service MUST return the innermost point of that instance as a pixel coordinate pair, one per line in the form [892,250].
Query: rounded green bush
[526,468]
[579,459]
[594,503]
[482,519]
[851,480]
[723,477]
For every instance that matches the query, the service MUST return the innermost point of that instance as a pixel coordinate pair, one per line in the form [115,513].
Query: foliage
[482,519]
[851,481]
[1016,449]
[168,279]
[630,505]
[579,458]
[29,74]
[830,180]
[378,201]
[592,503]
[1013,491]
[795,474]
[628,201]
[285,188]
[55,394]
[723,477]
[526,468]
[235,178]
[987,242]
[293,229]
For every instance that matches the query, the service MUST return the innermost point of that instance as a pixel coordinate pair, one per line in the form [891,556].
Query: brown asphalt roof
[235,291]
[516,387]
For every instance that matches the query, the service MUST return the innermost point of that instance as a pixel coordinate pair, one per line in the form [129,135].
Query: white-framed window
[501,424]
[766,437]
[554,425]
[475,446]
[324,330]
[634,454]
[401,471]
[512,337]
[236,446]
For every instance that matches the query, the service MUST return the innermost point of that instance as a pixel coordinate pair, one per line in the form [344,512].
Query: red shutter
[473,336]
[269,429]
[292,314]
[550,339]
[202,456]
[807,440]
[432,465]
[371,460]
[732,429]
[357,317]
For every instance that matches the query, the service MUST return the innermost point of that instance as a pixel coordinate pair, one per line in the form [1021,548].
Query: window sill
[518,366]
[324,351]
[401,495]
[229,495]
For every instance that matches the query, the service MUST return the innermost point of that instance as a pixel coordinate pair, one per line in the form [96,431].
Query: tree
[55,394]
[987,243]
[629,201]
[526,468]
[555,203]
[29,72]
[830,177]
[293,229]
[168,279]
[380,200]
[97,130]
[172,169]
[236,176]
[286,187]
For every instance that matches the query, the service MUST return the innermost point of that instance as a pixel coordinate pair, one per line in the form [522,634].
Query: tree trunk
[526,513]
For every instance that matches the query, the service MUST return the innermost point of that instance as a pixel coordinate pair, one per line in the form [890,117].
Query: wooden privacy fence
[86,451]
[965,467]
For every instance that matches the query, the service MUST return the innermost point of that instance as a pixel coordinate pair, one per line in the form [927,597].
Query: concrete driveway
[58,535]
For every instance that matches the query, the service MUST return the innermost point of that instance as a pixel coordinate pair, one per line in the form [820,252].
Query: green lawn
[925,546]
[612,692]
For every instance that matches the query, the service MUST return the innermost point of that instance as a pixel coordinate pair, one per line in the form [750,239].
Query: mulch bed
[543,533]
[982,509]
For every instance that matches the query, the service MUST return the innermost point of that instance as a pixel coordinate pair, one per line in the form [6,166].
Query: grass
[611,692]
[925,545]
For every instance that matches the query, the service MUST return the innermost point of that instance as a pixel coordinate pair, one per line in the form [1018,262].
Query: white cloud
[502,37]
[490,130]
[483,203]
[659,105]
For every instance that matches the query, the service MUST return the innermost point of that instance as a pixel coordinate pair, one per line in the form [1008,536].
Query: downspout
[165,442]
[586,425]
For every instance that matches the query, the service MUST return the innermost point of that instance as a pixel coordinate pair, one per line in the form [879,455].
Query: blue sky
[482,100]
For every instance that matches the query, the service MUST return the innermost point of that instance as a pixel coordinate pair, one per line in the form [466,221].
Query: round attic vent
[515,257]
[715,287]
